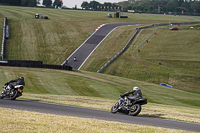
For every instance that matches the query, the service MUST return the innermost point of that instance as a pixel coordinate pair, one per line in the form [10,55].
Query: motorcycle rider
[136,92]
[74,58]
[19,81]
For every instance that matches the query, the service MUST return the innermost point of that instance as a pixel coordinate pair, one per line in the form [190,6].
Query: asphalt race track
[95,114]
[86,49]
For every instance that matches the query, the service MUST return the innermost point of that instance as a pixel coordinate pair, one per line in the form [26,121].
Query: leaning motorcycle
[129,105]
[12,93]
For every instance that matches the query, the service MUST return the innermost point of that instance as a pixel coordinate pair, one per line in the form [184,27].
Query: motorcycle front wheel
[135,110]
[114,108]
[13,94]
[1,97]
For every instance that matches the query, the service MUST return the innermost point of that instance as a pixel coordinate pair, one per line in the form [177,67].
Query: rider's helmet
[135,88]
[21,78]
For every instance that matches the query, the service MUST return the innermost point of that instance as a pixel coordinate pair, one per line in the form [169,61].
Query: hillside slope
[53,40]
[177,50]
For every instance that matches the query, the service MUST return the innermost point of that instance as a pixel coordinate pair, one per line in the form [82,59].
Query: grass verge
[22,121]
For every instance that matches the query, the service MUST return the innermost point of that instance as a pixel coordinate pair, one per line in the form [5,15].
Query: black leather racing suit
[136,94]
[18,81]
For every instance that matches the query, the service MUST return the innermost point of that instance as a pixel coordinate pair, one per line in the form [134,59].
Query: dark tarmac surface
[86,49]
[56,109]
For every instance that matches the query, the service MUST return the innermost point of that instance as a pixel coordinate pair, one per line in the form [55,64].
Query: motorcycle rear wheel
[135,110]
[114,108]
[14,95]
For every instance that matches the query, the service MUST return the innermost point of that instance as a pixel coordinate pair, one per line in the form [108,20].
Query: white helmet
[135,88]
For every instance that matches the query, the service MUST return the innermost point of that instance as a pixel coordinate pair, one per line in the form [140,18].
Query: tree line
[151,6]
[19,2]
[94,5]
[161,6]
[31,3]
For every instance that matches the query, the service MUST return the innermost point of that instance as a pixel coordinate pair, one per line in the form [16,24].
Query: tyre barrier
[32,64]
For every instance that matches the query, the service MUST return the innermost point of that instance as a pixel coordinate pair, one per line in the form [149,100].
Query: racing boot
[3,94]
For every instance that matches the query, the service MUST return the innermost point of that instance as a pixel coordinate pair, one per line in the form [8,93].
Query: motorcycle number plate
[20,90]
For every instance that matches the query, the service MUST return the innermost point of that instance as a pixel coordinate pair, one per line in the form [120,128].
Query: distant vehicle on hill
[165,84]
[173,28]
[109,15]
[131,11]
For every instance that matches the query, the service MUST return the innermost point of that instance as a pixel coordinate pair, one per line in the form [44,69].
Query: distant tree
[24,2]
[195,6]
[84,5]
[125,4]
[38,1]
[172,5]
[149,5]
[30,3]
[11,2]
[129,7]
[59,3]
[180,9]
[93,4]
[47,3]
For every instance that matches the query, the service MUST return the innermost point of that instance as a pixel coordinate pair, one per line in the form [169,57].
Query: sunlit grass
[22,121]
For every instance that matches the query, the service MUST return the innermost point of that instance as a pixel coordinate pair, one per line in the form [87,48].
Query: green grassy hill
[177,50]
[53,40]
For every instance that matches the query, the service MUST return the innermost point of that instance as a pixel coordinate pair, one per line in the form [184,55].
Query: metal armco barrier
[122,51]
[32,64]
[129,42]
[3,48]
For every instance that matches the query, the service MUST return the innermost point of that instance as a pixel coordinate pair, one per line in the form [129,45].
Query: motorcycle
[129,105]
[12,93]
